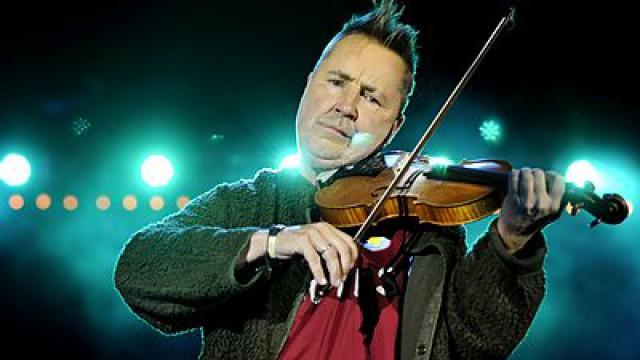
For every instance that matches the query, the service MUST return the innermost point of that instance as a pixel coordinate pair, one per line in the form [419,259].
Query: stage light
[581,171]
[290,161]
[156,203]
[70,203]
[16,202]
[440,160]
[156,170]
[490,130]
[43,201]
[15,170]
[182,201]
[129,202]
[103,202]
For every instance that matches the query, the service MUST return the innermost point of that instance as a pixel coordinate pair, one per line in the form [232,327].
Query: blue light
[581,171]
[15,170]
[290,161]
[156,170]
[439,160]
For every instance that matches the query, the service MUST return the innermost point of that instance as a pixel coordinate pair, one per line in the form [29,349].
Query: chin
[323,157]
[329,164]
[324,164]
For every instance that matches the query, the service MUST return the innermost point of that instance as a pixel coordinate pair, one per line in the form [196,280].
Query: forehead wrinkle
[346,76]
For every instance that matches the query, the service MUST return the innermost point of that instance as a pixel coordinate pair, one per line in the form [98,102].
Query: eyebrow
[367,87]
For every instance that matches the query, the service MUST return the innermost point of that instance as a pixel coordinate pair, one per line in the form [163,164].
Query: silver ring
[329,246]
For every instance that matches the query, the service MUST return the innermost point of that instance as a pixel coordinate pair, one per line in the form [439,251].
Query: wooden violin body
[347,202]
[444,195]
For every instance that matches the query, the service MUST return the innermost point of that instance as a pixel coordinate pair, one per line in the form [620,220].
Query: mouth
[339,131]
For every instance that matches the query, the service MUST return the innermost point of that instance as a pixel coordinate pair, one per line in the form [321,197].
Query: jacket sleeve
[493,296]
[175,272]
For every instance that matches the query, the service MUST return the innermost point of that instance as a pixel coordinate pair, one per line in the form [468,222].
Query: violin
[446,195]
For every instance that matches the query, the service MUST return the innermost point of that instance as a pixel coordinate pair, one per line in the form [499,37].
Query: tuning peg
[574,208]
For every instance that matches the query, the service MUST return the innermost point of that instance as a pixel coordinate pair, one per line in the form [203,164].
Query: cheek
[375,123]
[319,100]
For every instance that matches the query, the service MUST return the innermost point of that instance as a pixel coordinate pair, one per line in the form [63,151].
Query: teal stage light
[156,170]
[490,130]
[15,170]
[581,171]
[440,160]
[290,161]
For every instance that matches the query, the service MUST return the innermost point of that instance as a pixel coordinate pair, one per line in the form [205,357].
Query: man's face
[351,103]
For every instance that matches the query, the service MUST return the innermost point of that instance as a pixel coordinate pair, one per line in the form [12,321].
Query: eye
[336,82]
[371,99]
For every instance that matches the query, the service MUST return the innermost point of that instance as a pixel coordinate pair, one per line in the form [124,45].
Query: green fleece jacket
[179,274]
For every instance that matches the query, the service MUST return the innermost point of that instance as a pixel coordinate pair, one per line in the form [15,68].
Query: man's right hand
[321,244]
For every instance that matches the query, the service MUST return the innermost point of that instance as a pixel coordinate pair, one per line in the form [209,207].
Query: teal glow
[440,160]
[581,171]
[361,138]
[216,138]
[490,130]
[290,161]
[156,170]
[15,170]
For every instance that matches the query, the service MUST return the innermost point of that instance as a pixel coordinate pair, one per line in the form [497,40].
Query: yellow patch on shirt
[377,243]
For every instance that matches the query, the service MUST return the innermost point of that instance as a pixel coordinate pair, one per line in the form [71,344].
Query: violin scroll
[611,209]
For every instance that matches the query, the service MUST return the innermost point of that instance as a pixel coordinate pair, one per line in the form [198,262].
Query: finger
[514,183]
[345,239]
[348,240]
[351,243]
[557,189]
[332,261]
[525,190]
[313,260]
[329,255]
[543,201]
[344,252]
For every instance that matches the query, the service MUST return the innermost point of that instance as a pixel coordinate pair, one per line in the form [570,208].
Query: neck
[313,175]
[308,173]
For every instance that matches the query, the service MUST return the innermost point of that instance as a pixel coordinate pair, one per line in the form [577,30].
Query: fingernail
[322,281]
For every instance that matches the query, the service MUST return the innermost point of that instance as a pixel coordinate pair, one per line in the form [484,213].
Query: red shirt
[331,329]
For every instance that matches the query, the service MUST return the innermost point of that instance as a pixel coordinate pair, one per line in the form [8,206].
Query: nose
[347,105]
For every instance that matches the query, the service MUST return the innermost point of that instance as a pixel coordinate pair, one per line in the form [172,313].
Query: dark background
[160,76]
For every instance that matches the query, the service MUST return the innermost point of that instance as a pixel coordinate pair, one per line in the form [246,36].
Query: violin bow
[507,21]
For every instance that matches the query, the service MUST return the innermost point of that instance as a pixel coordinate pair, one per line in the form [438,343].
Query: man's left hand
[533,201]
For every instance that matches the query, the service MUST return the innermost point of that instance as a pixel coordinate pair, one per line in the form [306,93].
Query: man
[224,263]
